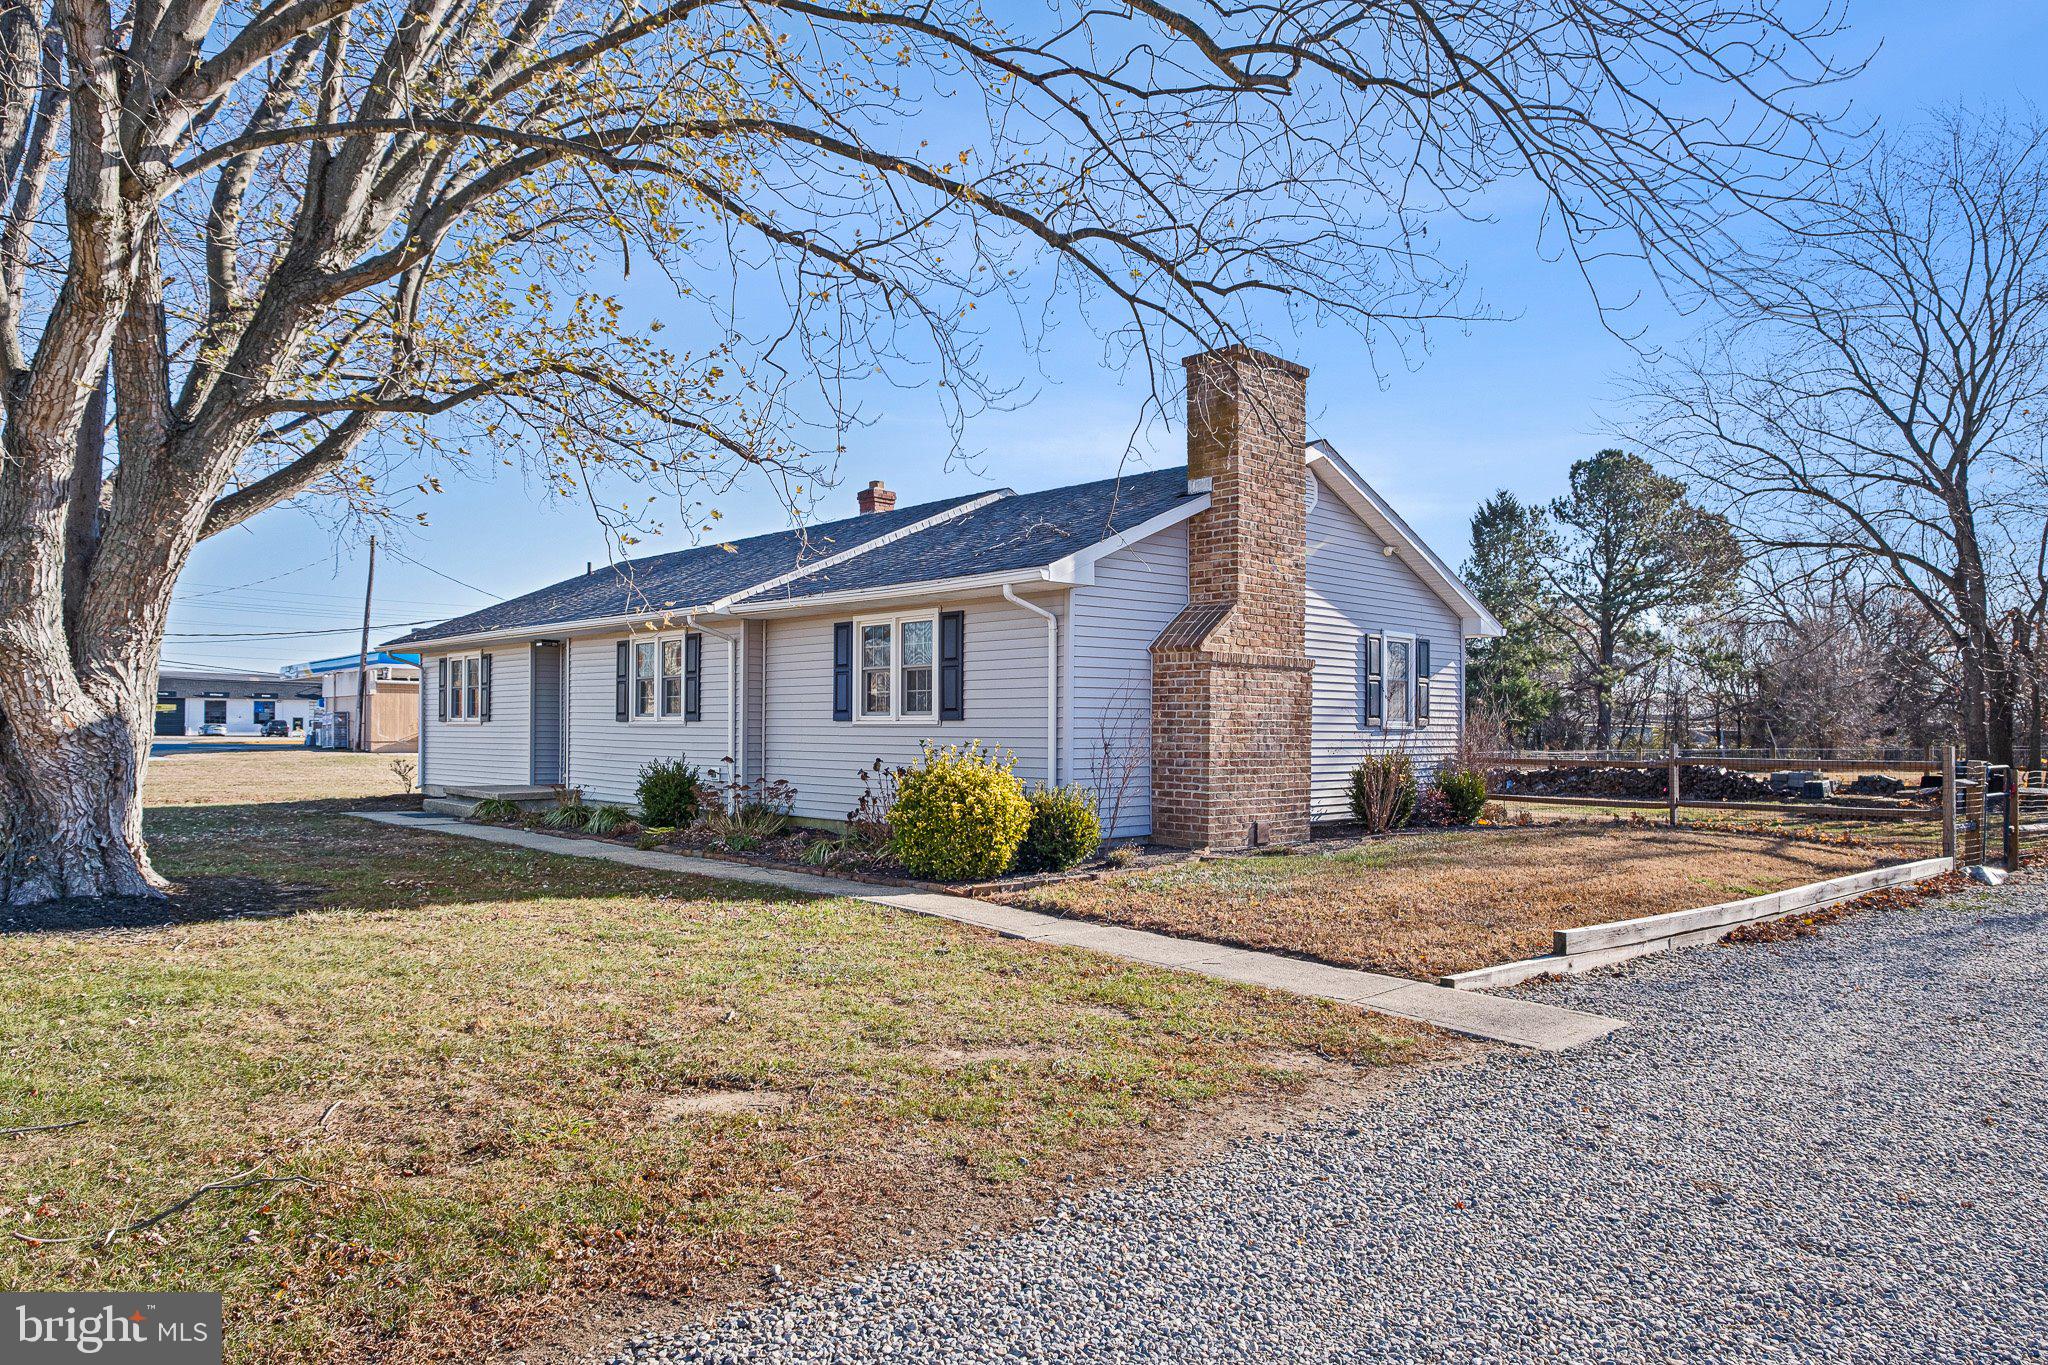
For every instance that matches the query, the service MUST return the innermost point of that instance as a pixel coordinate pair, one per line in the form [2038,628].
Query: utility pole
[360,740]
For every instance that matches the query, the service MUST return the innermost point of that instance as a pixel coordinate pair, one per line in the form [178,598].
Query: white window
[876,650]
[917,639]
[1400,679]
[898,664]
[644,677]
[465,686]
[672,677]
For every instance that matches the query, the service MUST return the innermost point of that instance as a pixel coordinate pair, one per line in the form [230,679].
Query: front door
[547,713]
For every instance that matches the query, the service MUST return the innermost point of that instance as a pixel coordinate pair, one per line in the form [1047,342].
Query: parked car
[215,729]
[276,729]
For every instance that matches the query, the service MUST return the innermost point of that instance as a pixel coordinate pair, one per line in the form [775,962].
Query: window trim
[660,715]
[1387,722]
[895,715]
[664,678]
[465,689]
[651,644]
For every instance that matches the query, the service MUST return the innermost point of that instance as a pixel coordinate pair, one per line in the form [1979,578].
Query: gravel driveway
[1835,1149]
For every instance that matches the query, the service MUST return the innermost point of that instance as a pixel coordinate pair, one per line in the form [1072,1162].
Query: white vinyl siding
[802,744]
[605,754]
[496,752]
[1136,592]
[1353,590]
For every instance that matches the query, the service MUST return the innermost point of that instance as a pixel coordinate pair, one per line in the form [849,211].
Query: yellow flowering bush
[959,814]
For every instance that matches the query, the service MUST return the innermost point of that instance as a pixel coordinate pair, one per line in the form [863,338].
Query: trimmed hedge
[960,815]
[1064,830]
[1464,791]
[671,791]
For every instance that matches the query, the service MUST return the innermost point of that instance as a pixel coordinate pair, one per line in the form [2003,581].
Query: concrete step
[455,806]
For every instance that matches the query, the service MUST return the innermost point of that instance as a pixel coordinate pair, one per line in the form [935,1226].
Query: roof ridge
[944,514]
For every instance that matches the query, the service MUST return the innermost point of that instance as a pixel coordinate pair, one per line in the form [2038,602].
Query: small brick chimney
[875,498]
[1230,676]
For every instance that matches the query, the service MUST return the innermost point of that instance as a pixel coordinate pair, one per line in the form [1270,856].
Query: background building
[187,701]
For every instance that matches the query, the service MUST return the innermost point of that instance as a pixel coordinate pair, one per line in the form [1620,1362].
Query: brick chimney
[1230,678]
[875,498]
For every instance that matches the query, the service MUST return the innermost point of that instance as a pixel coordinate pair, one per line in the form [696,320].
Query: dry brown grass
[531,1090]
[1425,905]
[293,773]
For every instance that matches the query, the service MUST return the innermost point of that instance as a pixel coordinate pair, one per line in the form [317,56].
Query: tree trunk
[70,802]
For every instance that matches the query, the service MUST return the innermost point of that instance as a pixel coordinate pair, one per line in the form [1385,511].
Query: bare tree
[1122,753]
[309,247]
[1875,392]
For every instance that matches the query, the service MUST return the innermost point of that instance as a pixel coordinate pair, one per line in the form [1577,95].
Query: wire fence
[1905,803]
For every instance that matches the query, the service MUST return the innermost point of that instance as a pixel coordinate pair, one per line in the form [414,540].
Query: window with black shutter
[484,667]
[441,674]
[1422,682]
[623,685]
[1374,680]
[693,677]
[842,670]
[952,665]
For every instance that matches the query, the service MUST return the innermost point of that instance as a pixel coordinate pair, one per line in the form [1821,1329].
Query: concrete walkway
[1523,1023]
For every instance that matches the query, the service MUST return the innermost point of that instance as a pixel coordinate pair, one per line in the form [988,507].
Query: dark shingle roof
[685,578]
[1014,532]
[1022,531]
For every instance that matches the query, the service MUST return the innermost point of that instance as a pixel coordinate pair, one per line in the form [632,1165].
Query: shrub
[610,820]
[824,852]
[1433,810]
[1123,855]
[1064,830]
[670,792]
[745,814]
[960,815]
[1464,790]
[569,812]
[494,810]
[1382,792]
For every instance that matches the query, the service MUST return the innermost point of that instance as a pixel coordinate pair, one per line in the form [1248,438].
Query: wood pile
[1635,784]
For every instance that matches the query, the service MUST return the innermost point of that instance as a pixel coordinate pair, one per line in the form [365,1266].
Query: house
[1212,647]
[187,701]
[391,690]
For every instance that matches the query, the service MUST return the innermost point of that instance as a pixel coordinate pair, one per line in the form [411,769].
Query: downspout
[1052,681]
[736,729]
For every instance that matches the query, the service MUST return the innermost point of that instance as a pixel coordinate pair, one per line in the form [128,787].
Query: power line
[268,578]
[293,634]
[439,574]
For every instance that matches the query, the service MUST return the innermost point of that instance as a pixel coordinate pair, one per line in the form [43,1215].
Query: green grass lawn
[524,1089]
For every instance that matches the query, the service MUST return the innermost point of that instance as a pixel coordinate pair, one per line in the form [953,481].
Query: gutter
[1052,681]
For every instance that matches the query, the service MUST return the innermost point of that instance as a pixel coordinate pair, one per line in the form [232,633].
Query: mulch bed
[1889,898]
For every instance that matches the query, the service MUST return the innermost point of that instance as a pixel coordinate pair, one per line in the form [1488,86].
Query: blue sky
[1504,405]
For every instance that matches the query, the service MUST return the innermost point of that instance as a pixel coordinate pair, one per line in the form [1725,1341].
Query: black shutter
[952,665]
[1375,684]
[842,670]
[1422,682]
[693,677]
[623,686]
[442,672]
[484,686]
